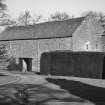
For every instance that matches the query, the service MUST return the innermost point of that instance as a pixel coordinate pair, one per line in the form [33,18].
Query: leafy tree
[6,61]
[7,20]
[58,16]
[3,57]
[99,15]
[2,6]
[101,18]
[3,51]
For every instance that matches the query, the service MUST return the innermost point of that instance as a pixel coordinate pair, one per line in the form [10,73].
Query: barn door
[25,62]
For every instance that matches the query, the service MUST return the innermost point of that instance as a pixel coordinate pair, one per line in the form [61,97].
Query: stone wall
[46,45]
[22,48]
[34,48]
[103,43]
[88,36]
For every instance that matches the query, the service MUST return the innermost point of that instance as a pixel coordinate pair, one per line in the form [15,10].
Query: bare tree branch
[27,19]
[24,18]
[59,16]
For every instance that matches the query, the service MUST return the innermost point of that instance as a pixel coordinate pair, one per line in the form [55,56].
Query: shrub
[12,64]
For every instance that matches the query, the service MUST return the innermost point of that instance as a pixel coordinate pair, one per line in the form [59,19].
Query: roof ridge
[48,22]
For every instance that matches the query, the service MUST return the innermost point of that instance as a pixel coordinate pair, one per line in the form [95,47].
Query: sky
[47,7]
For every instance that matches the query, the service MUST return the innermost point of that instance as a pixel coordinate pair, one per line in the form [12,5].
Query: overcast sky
[46,7]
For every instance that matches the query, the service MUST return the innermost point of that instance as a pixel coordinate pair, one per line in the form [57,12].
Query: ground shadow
[20,94]
[85,91]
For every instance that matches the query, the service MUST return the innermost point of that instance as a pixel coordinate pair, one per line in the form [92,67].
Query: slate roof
[43,30]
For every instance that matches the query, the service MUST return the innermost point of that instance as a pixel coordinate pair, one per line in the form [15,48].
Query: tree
[3,51]
[36,19]
[101,18]
[2,6]
[7,20]
[99,15]
[24,18]
[6,61]
[58,16]
[27,19]
[3,57]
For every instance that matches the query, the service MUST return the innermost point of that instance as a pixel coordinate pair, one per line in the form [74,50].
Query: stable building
[27,43]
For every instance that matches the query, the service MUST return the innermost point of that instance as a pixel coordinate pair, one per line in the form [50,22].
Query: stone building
[27,43]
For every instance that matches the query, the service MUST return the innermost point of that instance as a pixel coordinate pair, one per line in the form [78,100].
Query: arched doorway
[28,64]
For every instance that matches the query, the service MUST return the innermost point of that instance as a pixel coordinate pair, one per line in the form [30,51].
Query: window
[10,45]
[96,46]
[87,46]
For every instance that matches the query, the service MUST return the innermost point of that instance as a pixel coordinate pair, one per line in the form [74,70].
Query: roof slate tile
[43,30]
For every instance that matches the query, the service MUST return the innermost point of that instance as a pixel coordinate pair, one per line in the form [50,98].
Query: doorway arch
[28,62]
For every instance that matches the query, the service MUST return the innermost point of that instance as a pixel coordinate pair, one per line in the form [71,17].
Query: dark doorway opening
[28,62]
[103,72]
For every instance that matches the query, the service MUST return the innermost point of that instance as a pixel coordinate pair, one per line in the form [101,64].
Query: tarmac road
[39,90]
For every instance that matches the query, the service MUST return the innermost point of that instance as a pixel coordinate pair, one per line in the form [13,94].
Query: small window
[87,46]
[96,46]
[10,46]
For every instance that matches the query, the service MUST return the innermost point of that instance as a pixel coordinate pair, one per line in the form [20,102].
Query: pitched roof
[43,30]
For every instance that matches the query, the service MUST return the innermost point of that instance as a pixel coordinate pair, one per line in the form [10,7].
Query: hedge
[67,63]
